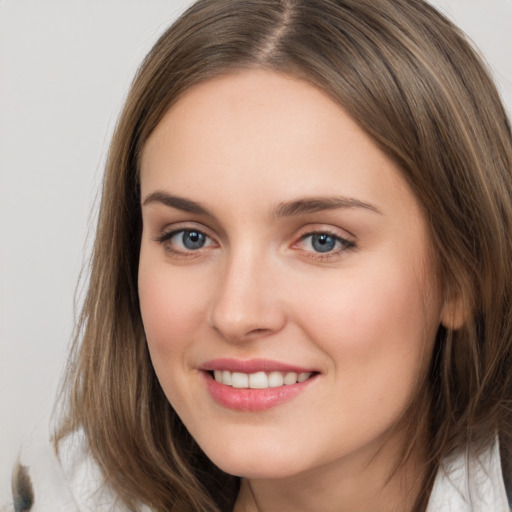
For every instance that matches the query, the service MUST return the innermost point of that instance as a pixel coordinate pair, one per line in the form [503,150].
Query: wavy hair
[417,87]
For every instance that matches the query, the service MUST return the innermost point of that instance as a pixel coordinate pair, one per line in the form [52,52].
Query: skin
[363,315]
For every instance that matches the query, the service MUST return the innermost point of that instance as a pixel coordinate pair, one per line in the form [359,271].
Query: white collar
[470,483]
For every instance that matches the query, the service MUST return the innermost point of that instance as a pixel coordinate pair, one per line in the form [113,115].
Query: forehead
[264,136]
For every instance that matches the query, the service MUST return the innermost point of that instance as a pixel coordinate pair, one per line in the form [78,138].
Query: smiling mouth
[259,380]
[255,385]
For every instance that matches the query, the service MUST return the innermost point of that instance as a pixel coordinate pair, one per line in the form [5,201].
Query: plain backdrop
[65,67]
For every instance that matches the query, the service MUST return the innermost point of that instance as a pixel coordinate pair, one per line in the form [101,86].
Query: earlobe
[453,313]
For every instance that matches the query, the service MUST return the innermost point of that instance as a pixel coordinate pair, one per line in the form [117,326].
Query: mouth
[259,380]
[255,385]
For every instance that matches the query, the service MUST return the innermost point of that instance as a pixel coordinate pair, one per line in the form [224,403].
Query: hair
[416,86]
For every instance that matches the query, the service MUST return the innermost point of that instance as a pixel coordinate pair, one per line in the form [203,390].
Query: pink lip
[252,400]
[252,366]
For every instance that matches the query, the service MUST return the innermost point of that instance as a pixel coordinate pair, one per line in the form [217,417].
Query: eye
[323,243]
[191,240]
[185,241]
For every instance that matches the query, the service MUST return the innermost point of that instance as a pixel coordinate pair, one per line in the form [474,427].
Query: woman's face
[285,280]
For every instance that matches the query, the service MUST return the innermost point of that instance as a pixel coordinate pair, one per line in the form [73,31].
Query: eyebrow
[180,203]
[286,209]
[317,204]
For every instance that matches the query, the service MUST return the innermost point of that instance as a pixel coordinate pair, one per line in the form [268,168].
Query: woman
[301,284]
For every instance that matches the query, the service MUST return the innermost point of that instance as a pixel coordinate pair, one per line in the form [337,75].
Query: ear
[454,313]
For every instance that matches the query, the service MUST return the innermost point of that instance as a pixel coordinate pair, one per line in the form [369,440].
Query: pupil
[323,243]
[193,239]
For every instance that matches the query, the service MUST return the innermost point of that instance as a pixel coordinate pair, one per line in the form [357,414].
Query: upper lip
[252,366]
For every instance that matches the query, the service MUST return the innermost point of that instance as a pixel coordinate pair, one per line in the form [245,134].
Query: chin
[256,470]
[258,462]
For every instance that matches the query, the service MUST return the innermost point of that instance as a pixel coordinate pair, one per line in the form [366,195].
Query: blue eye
[184,241]
[323,242]
[192,239]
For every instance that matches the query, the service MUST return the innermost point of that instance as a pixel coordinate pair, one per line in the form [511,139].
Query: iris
[323,242]
[193,239]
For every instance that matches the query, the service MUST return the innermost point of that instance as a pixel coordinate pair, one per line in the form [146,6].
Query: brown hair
[413,82]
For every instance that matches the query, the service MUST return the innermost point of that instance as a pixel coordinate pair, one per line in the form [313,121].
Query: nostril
[244,311]
[258,332]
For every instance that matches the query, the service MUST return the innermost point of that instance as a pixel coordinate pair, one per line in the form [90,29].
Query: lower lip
[253,400]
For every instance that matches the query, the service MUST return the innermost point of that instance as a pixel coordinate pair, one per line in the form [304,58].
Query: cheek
[171,308]
[378,330]
[172,313]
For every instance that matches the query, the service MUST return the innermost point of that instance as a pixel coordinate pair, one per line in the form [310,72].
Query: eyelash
[344,244]
[165,239]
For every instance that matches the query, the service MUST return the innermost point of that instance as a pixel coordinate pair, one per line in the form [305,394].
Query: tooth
[275,379]
[290,378]
[303,376]
[239,380]
[226,377]
[258,380]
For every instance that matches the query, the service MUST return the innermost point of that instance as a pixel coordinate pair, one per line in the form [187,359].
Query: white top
[73,484]
[467,483]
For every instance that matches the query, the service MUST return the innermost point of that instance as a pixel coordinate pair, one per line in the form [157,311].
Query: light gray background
[65,67]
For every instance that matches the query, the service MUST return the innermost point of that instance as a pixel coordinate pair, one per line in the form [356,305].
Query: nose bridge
[246,304]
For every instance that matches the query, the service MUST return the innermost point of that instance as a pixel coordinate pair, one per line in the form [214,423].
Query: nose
[247,304]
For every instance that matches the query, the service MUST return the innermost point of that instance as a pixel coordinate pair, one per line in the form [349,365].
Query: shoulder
[71,481]
[470,482]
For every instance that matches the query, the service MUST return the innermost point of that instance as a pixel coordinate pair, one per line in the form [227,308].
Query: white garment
[466,483]
[70,483]
[73,483]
